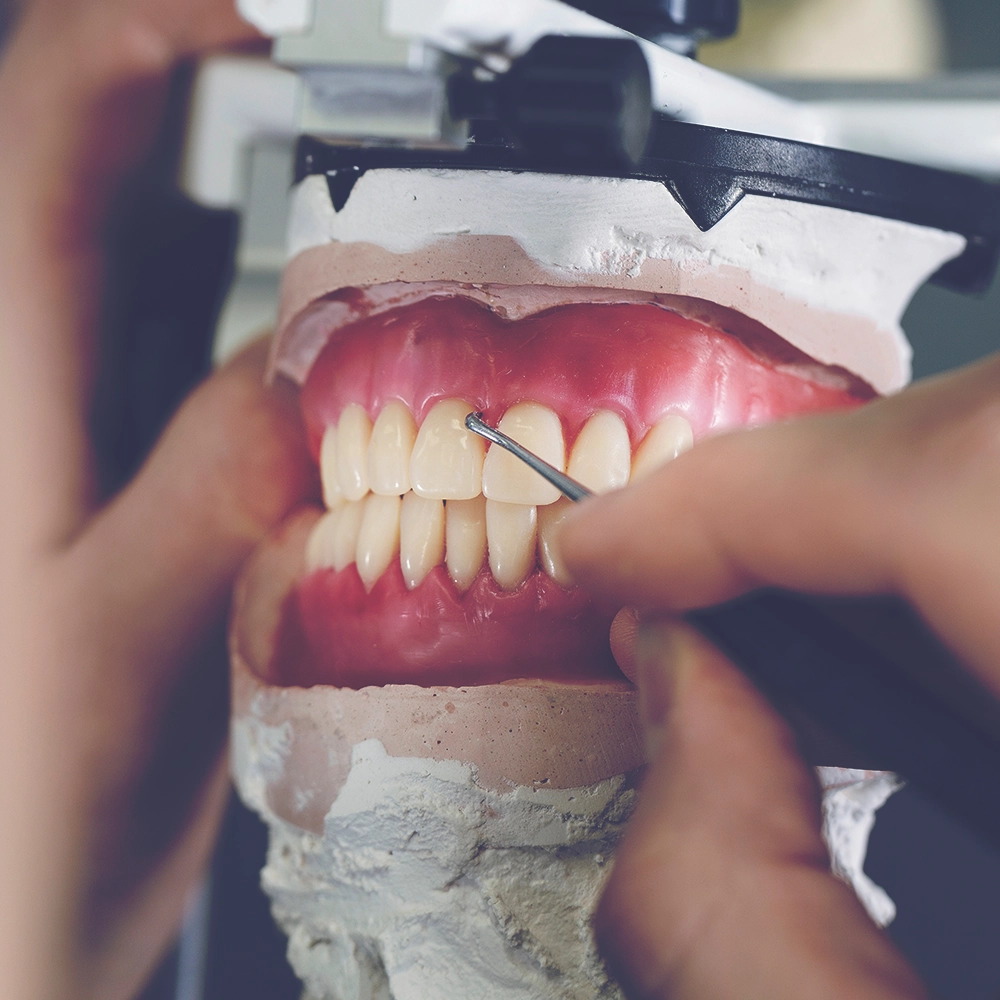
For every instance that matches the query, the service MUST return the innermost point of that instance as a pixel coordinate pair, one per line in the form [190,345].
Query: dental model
[426,713]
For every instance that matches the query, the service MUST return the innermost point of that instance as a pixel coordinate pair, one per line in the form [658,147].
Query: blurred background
[172,264]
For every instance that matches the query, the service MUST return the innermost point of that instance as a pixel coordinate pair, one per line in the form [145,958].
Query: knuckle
[980,433]
[959,454]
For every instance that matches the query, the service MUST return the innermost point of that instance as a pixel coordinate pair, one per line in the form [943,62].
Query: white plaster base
[425,886]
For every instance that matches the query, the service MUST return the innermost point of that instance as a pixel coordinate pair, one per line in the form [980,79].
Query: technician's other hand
[112,706]
[722,888]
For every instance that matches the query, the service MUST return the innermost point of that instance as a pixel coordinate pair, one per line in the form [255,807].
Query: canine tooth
[378,537]
[322,542]
[447,462]
[353,432]
[465,539]
[506,478]
[332,495]
[510,539]
[549,520]
[671,437]
[345,536]
[602,455]
[421,537]
[389,450]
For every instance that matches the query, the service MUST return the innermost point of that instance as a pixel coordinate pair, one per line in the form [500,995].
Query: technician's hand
[108,615]
[722,890]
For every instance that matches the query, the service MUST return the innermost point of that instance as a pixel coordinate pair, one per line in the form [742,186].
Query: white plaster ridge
[258,753]
[582,227]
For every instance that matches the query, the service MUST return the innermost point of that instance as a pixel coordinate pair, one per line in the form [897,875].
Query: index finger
[898,497]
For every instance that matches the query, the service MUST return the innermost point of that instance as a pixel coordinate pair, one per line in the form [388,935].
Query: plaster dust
[777,261]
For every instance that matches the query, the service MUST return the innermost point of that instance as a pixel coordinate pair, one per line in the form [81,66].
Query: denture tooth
[320,548]
[332,495]
[353,432]
[510,539]
[447,461]
[378,537]
[345,535]
[549,521]
[421,537]
[465,540]
[602,455]
[389,450]
[506,478]
[671,437]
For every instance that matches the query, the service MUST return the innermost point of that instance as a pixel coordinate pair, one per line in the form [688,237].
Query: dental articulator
[610,89]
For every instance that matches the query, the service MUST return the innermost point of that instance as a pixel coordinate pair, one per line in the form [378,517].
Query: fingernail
[624,629]
[550,538]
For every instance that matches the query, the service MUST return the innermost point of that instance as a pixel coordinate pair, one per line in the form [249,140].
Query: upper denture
[639,361]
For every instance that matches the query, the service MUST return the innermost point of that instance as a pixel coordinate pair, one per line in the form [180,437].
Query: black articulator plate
[709,170]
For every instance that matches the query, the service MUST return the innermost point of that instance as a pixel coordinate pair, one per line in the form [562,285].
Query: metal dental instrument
[862,681]
[568,487]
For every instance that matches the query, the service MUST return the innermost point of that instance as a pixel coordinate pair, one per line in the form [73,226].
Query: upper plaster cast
[581,230]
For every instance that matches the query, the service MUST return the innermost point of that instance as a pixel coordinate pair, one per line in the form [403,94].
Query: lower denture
[608,392]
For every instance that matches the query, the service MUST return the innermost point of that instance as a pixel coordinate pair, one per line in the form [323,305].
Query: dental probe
[568,487]
[853,676]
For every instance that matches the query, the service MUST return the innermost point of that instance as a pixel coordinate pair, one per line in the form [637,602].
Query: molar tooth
[447,462]
[378,537]
[602,455]
[345,535]
[510,536]
[549,520]
[332,495]
[666,440]
[465,540]
[389,450]
[322,542]
[353,432]
[421,537]
[506,478]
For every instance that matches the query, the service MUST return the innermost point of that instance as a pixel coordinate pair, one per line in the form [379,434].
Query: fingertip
[584,540]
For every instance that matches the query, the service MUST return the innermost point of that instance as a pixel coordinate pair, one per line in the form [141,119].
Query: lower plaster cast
[425,886]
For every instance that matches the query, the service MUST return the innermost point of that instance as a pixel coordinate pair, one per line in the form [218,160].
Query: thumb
[722,887]
[148,584]
[230,467]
